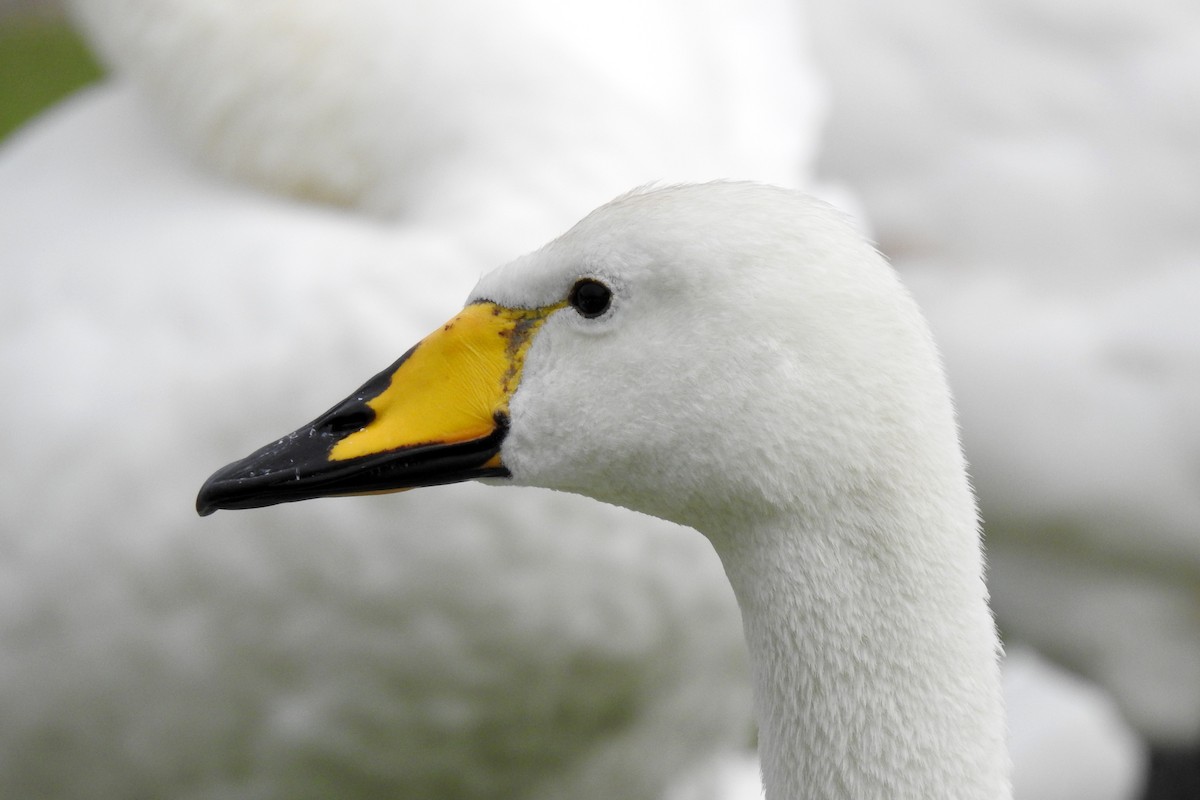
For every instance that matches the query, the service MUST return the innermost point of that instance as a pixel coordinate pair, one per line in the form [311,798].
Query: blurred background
[217,216]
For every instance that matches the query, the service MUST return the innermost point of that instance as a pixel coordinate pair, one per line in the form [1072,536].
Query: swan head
[685,351]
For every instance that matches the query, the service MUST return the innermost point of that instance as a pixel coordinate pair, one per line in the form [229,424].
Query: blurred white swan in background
[335,650]
[152,654]
[418,111]
[1037,184]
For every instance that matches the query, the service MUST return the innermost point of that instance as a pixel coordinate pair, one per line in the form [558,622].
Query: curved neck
[874,654]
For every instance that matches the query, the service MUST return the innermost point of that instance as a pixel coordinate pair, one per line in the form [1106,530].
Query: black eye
[590,298]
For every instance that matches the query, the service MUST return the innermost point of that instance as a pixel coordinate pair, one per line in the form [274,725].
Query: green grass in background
[41,61]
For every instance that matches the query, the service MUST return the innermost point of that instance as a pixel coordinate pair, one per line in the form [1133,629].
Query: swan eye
[589,297]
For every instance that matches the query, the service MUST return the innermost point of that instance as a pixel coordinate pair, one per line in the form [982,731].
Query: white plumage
[464,650]
[1068,739]
[1036,182]
[467,649]
[312,650]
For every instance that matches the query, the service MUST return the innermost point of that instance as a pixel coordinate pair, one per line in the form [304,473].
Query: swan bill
[438,415]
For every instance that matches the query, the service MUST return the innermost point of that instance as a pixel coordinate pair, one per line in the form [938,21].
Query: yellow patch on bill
[452,385]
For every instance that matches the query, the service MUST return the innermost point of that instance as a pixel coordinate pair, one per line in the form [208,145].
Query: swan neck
[874,657]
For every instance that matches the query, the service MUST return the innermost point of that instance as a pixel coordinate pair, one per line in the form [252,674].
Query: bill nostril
[349,420]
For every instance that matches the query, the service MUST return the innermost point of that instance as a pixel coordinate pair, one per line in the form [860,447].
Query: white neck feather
[873,651]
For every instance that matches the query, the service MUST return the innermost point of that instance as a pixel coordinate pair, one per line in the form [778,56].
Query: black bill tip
[297,467]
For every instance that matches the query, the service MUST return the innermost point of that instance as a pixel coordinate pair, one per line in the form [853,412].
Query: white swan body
[1067,735]
[437,112]
[421,647]
[756,372]
[484,646]
[1064,295]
